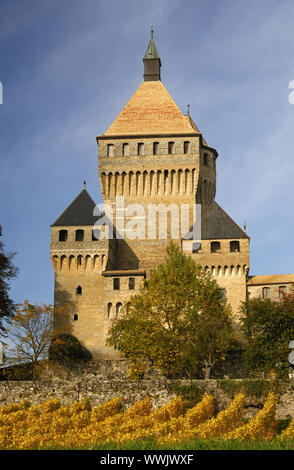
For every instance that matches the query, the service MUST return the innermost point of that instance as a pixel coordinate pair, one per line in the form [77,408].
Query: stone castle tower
[151,156]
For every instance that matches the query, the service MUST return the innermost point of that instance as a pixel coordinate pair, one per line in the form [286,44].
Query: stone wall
[161,391]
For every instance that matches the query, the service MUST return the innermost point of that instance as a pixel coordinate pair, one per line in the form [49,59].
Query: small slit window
[125,149]
[62,235]
[76,317]
[205,159]
[266,292]
[116,283]
[79,259]
[214,247]
[234,246]
[140,148]
[79,290]
[109,307]
[131,283]
[186,147]
[118,309]
[110,150]
[155,148]
[79,235]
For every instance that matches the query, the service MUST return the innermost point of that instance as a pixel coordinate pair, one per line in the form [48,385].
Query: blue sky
[69,66]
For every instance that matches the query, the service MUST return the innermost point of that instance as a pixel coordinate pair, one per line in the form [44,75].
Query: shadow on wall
[65,312]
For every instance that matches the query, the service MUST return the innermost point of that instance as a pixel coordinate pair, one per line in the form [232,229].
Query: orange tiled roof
[270,279]
[151,110]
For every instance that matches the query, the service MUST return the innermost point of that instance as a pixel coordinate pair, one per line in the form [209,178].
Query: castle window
[205,159]
[76,317]
[118,309]
[110,150]
[62,235]
[109,307]
[234,246]
[96,234]
[79,235]
[186,147]
[140,149]
[125,149]
[214,247]
[266,292]
[223,294]
[155,148]
[131,283]
[79,290]
[171,148]
[282,291]
[79,260]
[116,283]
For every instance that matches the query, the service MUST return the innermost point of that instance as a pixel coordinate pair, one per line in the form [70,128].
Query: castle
[151,156]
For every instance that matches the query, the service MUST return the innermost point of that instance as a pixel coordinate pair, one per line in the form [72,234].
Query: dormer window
[155,148]
[125,150]
[140,148]
[110,150]
[186,147]
[171,148]
[62,235]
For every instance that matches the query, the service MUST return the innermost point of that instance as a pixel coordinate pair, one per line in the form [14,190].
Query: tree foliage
[31,330]
[268,326]
[178,321]
[7,272]
[65,346]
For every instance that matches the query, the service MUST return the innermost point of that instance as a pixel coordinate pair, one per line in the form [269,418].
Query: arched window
[62,235]
[140,148]
[79,290]
[109,307]
[76,317]
[155,148]
[79,260]
[131,283]
[234,246]
[214,247]
[79,235]
[118,309]
[116,283]
[171,148]
[186,146]
[125,150]
[110,150]
[266,292]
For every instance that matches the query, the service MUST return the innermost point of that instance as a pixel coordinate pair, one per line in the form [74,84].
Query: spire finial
[152,31]
[84,183]
[188,110]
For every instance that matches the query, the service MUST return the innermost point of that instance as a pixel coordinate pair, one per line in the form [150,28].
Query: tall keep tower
[152,156]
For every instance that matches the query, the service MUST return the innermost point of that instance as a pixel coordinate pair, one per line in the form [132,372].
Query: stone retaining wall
[160,391]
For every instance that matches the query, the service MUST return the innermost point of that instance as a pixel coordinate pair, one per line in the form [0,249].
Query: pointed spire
[84,183]
[151,61]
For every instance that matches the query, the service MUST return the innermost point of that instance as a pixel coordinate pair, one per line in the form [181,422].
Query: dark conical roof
[79,212]
[151,52]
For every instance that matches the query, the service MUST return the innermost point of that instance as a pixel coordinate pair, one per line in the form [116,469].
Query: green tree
[268,326]
[7,272]
[178,322]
